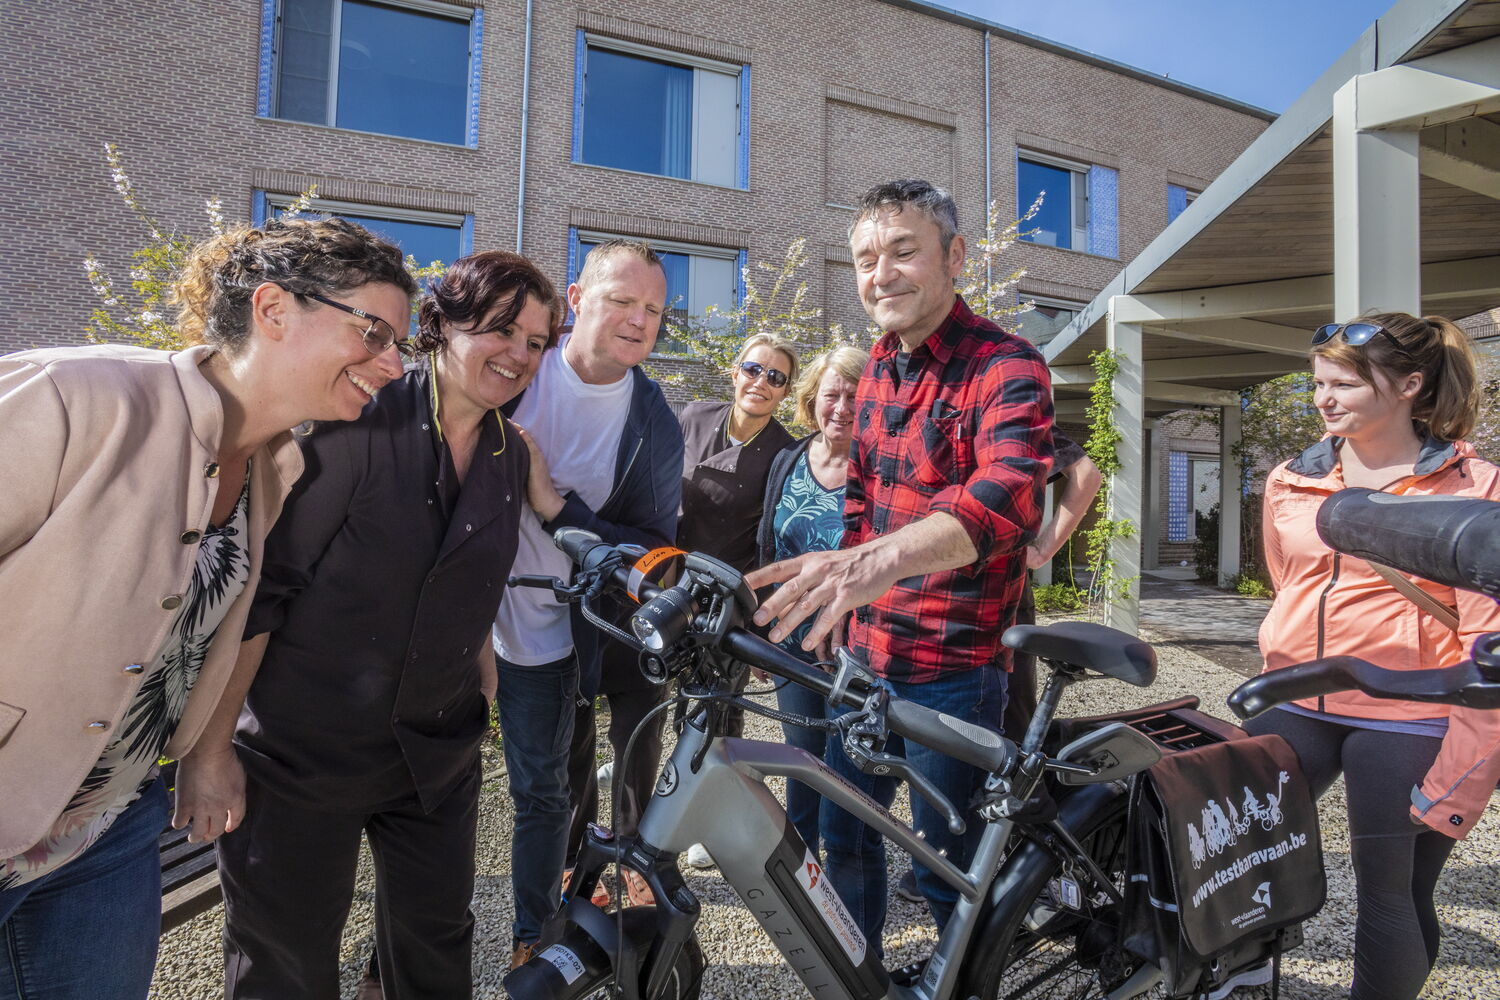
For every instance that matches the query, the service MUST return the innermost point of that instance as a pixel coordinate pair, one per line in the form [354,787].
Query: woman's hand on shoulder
[540,493]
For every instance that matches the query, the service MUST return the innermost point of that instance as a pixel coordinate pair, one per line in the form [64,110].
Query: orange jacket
[1329,604]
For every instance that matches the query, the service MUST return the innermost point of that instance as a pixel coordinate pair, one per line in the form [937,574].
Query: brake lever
[901,768]
[865,746]
[562,593]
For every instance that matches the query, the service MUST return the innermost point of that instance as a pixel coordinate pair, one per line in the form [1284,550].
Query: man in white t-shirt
[606,455]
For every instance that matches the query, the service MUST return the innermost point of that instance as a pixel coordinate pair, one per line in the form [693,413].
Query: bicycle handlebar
[964,741]
[1474,683]
[1450,540]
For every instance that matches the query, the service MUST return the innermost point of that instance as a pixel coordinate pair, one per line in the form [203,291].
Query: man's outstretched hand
[827,585]
[832,584]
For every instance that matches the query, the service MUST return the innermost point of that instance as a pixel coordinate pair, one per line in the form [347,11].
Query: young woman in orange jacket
[1397,395]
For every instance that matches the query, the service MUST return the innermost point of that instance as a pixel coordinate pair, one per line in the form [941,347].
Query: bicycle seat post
[1058,679]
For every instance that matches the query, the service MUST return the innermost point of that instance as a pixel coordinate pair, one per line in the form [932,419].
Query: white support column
[1154,509]
[1376,179]
[1229,493]
[1042,575]
[1125,491]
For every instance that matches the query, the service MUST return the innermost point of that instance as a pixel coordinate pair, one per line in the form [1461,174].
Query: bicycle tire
[1032,947]
[686,979]
[685,982]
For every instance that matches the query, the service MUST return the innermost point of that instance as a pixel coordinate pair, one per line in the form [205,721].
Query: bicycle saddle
[1085,645]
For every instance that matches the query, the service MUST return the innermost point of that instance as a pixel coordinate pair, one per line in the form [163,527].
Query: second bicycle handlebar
[1474,683]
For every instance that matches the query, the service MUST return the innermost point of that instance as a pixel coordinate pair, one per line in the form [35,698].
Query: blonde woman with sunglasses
[728,451]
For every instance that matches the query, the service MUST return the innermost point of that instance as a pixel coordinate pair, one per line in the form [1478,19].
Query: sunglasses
[754,370]
[1355,334]
[378,335]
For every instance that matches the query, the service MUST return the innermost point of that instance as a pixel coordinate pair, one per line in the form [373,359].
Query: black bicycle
[1042,904]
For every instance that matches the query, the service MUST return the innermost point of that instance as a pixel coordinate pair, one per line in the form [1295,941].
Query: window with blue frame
[1178,199]
[697,277]
[659,112]
[1079,208]
[401,67]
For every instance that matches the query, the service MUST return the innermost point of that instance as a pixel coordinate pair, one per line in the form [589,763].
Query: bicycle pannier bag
[1224,854]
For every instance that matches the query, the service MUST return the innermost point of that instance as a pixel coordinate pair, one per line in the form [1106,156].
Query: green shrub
[1058,597]
[1251,585]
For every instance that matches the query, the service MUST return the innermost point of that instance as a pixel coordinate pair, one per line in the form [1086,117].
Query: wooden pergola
[1378,190]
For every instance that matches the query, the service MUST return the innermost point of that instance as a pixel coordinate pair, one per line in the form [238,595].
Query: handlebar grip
[1450,540]
[580,545]
[1305,680]
[976,745]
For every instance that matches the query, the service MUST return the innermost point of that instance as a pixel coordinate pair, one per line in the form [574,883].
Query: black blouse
[381,581]
[723,484]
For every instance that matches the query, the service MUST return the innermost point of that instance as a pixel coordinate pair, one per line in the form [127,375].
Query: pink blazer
[107,478]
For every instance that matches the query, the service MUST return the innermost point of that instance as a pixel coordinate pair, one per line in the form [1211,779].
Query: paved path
[1216,625]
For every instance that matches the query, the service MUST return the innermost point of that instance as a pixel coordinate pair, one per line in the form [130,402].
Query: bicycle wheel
[1035,946]
[686,979]
[684,982]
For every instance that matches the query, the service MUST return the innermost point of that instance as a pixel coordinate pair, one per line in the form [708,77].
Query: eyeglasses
[754,370]
[1355,334]
[379,336]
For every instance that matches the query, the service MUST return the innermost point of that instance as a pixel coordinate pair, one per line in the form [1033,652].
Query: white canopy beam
[1248,334]
[1224,366]
[1190,395]
[1064,409]
[1465,154]
[1442,280]
[1445,87]
[1376,203]
[1073,375]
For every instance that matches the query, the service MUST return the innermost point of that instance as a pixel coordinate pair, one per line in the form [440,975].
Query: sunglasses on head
[1354,334]
[754,370]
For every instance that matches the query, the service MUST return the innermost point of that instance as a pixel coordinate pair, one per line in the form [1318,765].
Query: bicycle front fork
[583,948]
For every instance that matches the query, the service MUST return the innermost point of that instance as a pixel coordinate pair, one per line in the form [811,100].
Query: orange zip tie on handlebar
[658,560]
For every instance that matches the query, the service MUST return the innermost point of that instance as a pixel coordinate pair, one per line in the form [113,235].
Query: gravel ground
[742,963]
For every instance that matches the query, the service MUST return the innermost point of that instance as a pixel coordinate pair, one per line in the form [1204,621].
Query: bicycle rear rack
[1172,725]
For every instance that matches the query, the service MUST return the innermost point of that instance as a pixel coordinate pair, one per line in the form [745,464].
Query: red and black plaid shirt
[967,432]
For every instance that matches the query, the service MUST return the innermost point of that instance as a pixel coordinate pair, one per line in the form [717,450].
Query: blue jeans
[537,705]
[855,854]
[89,929]
[802,803]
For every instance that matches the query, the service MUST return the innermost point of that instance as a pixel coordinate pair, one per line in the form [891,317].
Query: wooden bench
[189,872]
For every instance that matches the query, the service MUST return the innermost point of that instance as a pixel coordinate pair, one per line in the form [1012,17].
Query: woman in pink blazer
[138,488]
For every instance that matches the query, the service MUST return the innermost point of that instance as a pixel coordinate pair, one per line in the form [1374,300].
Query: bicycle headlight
[663,620]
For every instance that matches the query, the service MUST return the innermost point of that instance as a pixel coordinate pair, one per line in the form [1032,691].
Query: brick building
[721,132]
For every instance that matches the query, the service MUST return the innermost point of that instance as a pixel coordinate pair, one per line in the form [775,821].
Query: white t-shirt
[578,427]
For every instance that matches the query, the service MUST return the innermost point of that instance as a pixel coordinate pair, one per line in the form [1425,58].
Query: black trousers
[288,879]
[635,777]
[1396,862]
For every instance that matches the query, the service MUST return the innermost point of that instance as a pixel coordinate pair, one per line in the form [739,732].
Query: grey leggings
[1396,862]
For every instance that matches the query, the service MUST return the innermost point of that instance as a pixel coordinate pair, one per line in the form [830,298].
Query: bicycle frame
[725,806]
[712,791]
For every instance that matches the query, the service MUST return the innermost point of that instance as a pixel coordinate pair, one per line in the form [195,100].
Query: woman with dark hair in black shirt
[372,627]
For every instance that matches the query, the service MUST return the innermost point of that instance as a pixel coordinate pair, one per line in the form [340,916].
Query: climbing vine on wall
[1105,584]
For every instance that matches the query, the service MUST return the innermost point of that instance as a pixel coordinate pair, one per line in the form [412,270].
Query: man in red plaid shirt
[952,446]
